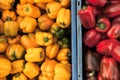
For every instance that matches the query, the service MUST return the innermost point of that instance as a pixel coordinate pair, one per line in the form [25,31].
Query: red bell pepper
[116,52]
[112,10]
[109,69]
[98,3]
[87,17]
[103,25]
[105,47]
[91,38]
[114,31]
[116,20]
[114,1]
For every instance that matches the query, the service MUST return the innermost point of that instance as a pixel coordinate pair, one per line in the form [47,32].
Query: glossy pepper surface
[109,69]
[98,3]
[114,31]
[112,10]
[91,38]
[87,17]
[105,47]
[103,25]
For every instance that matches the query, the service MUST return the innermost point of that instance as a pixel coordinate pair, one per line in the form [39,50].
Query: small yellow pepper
[28,41]
[31,70]
[5,66]
[47,69]
[19,76]
[28,10]
[52,9]
[15,51]
[17,66]
[62,71]
[3,43]
[52,50]
[64,54]
[64,18]
[6,4]
[10,28]
[8,15]
[44,38]
[35,55]
[28,24]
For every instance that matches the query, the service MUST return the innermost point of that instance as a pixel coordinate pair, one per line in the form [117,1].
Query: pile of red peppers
[101,24]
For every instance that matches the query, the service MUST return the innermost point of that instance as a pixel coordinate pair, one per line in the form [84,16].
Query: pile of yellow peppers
[33,40]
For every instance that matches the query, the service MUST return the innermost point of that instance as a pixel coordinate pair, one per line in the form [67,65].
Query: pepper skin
[91,38]
[114,31]
[105,47]
[98,3]
[116,20]
[99,76]
[114,1]
[109,69]
[116,52]
[103,25]
[112,10]
[92,61]
[87,17]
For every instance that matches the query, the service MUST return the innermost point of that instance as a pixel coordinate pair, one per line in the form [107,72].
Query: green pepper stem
[27,9]
[46,39]
[84,7]
[101,25]
[9,19]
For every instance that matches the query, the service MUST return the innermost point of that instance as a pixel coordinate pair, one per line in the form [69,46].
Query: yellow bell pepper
[53,8]
[26,1]
[14,40]
[28,24]
[15,51]
[19,76]
[8,15]
[3,43]
[41,5]
[5,66]
[44,38]
[52,50]
[28,41]
[4,78]
[35,55]
[47,69]
[45,22]
[42,1]
[31,70]
[28,10]
[64,18]
[6,4]
[10,28]
[64,69]
[1,27]
[17,66]
[64,3]
[64,54]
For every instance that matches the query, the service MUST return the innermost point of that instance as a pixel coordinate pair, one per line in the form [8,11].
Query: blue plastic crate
[79,43]
[76,32]
[74,39]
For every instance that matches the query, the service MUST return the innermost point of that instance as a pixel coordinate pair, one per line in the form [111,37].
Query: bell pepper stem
[91,74]
[46,39]
[101,25]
